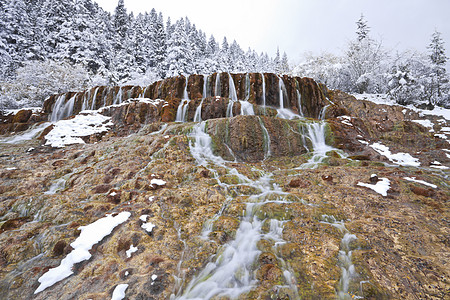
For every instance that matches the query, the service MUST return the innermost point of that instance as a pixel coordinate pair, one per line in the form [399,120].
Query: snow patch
[131,251]
[157,182]
[381,187]
[89,236]
[151,198]
[438,165]
[143,218]
[413,179]
[148,226]
[346,120]
[424,123]
[119,292]
[402,159]
[67,132]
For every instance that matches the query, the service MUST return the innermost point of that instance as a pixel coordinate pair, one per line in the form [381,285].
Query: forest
[49,47]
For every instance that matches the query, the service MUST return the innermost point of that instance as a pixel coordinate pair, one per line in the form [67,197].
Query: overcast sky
[299,26]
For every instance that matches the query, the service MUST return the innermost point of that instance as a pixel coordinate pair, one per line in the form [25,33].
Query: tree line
[79,41]
[409,77]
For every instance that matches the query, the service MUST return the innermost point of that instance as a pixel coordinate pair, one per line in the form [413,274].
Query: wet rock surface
[401,249]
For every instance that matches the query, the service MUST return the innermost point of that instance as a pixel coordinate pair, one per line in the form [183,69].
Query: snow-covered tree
[439,85]
[364,59]
[284,65]
[179,57]
[363,29]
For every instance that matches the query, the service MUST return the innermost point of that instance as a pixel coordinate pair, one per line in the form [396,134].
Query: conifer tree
[439,78]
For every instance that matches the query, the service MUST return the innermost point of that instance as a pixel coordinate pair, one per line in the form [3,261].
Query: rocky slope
[245,204]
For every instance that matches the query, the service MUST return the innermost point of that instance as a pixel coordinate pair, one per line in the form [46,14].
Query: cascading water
[185,92]
[217,91]
[184,105]
[344,260]
[232,95]
[205,86]
[316,135]
[86,98]
[266,139]
[263,92]
[246,108]
[118,98]
[299,100]
[230,273]
[198,112]
[94,98]
[62,110]
[247,87]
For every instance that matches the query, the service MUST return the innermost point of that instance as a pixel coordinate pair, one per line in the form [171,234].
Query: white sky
[299,26]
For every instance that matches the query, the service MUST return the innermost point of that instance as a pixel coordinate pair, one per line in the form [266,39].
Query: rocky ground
[401,248]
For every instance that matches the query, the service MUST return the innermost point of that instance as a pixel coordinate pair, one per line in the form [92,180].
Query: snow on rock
[148,226]
[159,182]
[402,159]
[424,123]
[131,251]
[346,120]
[438,165]
[89,236]
[151,198]
[413,179]
[67,132]
[143,218]
[119,292]
[381,187]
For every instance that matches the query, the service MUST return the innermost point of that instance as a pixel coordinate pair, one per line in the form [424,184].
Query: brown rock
[422,191]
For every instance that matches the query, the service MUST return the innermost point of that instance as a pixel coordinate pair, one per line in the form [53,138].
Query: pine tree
[160,46]
[179,56]
[439,83]
[363,29]
[284,64]
[277,62]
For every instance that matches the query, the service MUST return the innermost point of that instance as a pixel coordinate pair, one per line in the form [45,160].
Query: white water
[263,91]
[266,139]
[198,112]
[247,87]
[344,259]
[217,86]
[282,91]
[184,105]
[86,98]
[205,86]
[231,88]
[230,273]
[316,134]
[118,98]
[185,92]
[246,108]
[26,135]
[182,110]
[299,100]
[94,98]
[62,110]
[229,113]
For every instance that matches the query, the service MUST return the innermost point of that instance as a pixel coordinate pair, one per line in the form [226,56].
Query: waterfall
[86,98]
[282,91]
[57,107]
[246,108]
[299,100]
[94,98]
[230,273]
[118,98]
[217,86]
[231,88]
[62,110]
[205,86]
[344,258]
[184,105]
[198,112]
[266,138]
[247,87]
[316,134]
[229,113]
[185,92]
[263,91]
[182,110]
